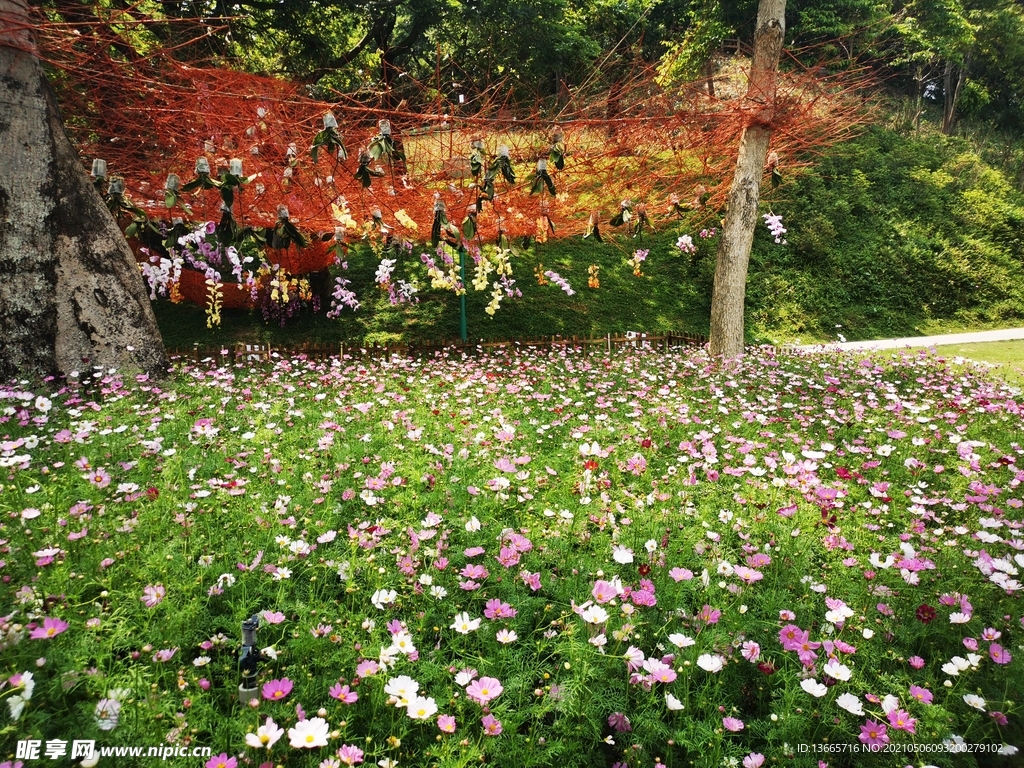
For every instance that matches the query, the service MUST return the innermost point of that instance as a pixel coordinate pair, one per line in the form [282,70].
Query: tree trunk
[952,85]
[71,294]
[741,216]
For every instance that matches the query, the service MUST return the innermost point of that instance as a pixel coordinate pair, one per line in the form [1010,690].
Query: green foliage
[889,235]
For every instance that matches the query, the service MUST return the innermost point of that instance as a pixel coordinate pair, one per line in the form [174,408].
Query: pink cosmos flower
[492,726]
[751,651]
[99,477]
[532,580]
[916,662]
[681,574]
[603,591]
[484,690]
[709,615]
[748,575]
[367,668]
[999,654]
[221,761]
[921,694]
[902,721]
[343,693]
[496,609]
[50,629]
[164,654]
[350,754]
[446,723]
[275,690]
[873,734]
[272,617]
[753,760]
[732,724]
[153,595]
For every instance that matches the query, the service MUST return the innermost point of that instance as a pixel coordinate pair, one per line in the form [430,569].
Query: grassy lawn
[1007,357]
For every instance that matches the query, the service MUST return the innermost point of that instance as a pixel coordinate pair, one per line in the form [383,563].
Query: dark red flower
[925,613]
[767,667]
[644,569]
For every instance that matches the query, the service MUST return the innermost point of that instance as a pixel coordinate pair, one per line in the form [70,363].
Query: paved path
[1006,334]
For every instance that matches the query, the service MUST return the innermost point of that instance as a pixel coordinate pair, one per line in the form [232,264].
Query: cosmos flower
[266,736]
[309,734]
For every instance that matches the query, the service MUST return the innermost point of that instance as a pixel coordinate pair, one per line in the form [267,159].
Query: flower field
[520,559]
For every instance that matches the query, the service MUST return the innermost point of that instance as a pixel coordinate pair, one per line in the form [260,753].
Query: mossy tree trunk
[71,295]
[741,216]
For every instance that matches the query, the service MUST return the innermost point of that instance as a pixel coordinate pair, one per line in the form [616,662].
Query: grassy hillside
[888,235]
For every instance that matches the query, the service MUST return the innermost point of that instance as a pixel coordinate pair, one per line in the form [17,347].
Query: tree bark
[741,215]
[953,80]
[71,294]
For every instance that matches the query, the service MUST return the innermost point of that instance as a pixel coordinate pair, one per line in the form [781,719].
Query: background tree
[71,295]
[741,216]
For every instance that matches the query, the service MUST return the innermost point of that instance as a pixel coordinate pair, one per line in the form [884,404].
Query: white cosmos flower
[266,735]
[890,704]
[472,524]
[850,703]
[421,707]
[973,700]
[836,670]
[813,687]
[464,625]
[383,597]
[672,703]
[680,640]
[595,614]
[309,733]
[710,662]
[877,561]
[403,688]
[506,636]
[959,618]
[622,555]
[950,669]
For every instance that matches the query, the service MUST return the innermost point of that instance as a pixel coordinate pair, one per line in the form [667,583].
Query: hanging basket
[192,287]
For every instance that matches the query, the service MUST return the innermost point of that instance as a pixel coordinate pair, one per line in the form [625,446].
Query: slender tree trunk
[952,86]
[741,216]
[71,295]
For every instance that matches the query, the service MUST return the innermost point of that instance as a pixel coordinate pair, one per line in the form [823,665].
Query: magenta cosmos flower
[873,734]
[51,628]
[221,761]
[343,693]
[999,654]
[275,690]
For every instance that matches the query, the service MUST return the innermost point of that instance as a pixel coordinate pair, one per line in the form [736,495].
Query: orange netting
[152,116]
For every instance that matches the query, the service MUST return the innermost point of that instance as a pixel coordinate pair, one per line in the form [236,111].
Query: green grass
[1006,357]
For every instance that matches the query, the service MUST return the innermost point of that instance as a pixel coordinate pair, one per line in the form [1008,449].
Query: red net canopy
[538,173]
